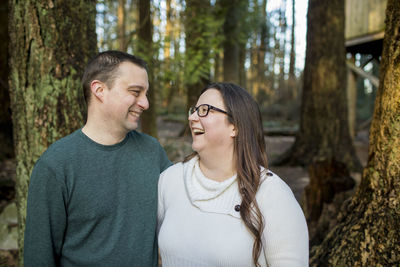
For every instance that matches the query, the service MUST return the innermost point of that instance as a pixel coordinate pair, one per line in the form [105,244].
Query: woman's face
[212,133]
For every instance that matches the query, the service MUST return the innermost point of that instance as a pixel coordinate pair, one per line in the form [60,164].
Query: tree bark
[145,50]
[50,43]
[6,150]
[168,70]
[324,131]
[368,230]
[122,43]
[352,99]
[233,16]
[292,77]
[283,88]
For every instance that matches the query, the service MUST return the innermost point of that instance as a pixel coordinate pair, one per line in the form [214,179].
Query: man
[92,198]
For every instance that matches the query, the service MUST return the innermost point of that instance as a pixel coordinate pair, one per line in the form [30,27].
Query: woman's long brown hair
[250,154]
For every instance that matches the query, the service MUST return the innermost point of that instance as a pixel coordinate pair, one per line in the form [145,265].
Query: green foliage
[203,41]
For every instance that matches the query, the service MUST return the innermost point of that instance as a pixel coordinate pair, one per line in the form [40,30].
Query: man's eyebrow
[136,87]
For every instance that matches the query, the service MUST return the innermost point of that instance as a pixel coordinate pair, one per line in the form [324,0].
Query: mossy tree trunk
[368,233]
[6,150]
[50,43]
[145,51]
[324,131]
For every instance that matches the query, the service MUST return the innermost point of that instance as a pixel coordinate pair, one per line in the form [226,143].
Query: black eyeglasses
[203,109]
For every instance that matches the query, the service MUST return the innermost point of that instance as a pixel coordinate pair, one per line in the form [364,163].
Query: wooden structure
[364,32]
[365,24]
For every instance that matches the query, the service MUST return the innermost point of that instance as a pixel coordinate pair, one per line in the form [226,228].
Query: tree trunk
[6,150]
[324,131]
[47,59]
[197,67]
[324,139]
[233,16]
[167,66]
[262,50]
[282,52]
[145,50]
[121,26]
[368,230]
[242,69]
[352,99]
[292,78]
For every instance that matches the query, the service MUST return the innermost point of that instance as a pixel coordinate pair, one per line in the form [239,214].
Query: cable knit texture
[204,193]
[199,226]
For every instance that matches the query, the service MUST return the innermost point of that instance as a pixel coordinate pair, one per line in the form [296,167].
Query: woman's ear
[97,87]
[233,132]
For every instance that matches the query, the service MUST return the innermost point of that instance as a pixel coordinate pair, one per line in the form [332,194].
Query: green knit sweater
[94,205]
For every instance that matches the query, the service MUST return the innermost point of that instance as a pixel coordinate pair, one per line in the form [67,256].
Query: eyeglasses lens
[203,110]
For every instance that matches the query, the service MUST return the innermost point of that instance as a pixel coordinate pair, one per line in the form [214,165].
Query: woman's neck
[217,168]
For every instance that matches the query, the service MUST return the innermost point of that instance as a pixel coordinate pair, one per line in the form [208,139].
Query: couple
[92,197]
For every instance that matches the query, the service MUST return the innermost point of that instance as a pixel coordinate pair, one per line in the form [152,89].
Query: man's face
[126,100]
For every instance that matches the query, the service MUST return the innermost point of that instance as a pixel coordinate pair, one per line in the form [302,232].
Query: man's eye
[135,92]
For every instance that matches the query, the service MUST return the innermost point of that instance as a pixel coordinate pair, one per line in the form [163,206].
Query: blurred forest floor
[177,148]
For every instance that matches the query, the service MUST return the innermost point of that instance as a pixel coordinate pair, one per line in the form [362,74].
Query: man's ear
[97,87]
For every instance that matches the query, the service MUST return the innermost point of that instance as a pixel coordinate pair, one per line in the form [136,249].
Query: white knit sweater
[199,226]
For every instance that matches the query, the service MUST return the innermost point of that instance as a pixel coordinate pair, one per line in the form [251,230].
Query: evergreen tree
[50,44]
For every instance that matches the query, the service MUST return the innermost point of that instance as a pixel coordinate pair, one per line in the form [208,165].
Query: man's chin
[132,126]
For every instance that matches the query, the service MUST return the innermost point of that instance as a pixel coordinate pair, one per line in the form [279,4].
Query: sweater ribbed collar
[209,195]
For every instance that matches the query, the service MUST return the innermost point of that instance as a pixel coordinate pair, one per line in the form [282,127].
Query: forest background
[319,118]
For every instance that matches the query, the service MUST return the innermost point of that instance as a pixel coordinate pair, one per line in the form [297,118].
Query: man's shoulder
[62,146]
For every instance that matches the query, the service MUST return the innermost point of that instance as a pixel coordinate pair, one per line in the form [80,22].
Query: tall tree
[47,59]
[262,50]
[324,140]
[282,47]
[6,150]
[292,78]
[122,42]
[259,47]
[198,43]
[234,15]
[324,131]
[169,72]
[368,230]
[145,50]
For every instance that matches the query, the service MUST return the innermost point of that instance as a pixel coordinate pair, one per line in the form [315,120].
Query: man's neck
[102,135]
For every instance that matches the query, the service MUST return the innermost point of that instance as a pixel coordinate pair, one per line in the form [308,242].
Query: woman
[221,206]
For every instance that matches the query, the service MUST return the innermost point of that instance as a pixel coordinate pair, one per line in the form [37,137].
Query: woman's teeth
[198,131]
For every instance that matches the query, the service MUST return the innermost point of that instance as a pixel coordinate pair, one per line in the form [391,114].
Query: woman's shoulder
[271,179]
[172,174]
[174,168]
[274,188]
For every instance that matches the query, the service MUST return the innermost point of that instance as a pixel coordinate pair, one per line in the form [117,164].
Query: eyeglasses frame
[194,109]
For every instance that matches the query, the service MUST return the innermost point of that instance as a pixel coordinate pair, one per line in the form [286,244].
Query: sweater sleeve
[285,236]
[46,218]
[164,161]
[160,207]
